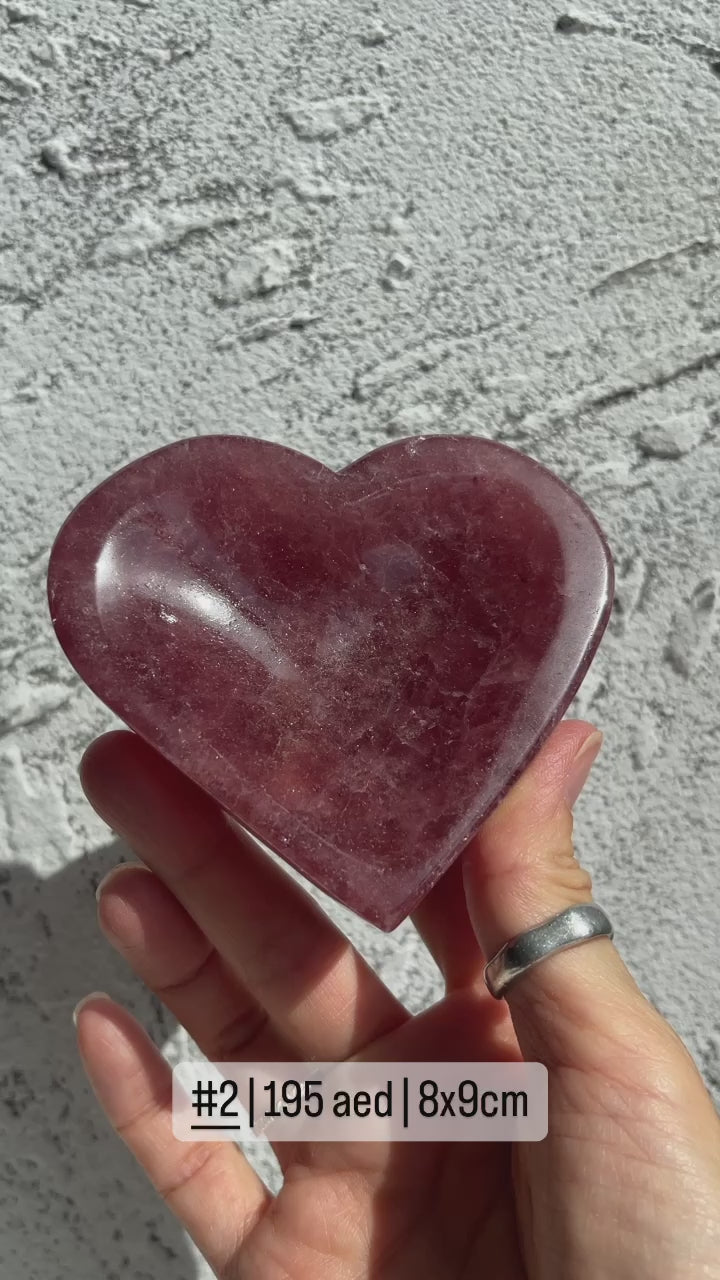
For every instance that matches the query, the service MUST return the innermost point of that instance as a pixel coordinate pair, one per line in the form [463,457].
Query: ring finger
[164,947]
[273,937]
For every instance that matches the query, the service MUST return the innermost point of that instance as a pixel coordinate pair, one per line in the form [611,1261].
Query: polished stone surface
[355,664]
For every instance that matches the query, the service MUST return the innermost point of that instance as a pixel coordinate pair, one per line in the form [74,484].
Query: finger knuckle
[571,879]
[189,1166]
[236,1039]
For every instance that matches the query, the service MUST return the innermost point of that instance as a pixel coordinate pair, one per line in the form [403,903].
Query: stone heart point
[356,665]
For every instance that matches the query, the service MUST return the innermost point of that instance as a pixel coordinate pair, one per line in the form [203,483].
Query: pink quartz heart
[355,664]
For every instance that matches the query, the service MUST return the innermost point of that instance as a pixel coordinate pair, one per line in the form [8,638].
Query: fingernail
[94,995]
[109,875]
[581,766]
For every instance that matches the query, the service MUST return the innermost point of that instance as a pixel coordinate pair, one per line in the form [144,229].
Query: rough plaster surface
[334,225]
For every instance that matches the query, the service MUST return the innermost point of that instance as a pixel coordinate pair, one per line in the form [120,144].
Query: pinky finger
[209,1186]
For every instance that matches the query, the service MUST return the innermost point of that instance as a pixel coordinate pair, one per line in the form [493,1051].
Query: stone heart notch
[355,664]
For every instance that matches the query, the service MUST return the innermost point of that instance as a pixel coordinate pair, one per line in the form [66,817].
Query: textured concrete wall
[333,224]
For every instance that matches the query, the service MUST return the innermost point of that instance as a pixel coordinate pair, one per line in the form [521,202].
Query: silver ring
[567,929]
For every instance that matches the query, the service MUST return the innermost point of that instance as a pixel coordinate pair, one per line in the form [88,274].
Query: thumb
[521,870]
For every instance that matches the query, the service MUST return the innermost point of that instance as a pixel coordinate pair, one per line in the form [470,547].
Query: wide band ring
[567,929]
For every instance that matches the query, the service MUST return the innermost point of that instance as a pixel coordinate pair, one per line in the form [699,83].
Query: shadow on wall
[71,1197]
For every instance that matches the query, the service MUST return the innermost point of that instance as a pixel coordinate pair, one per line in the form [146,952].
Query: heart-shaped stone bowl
[355,664]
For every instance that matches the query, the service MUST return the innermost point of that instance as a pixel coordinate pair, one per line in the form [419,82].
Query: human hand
[627,1182]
